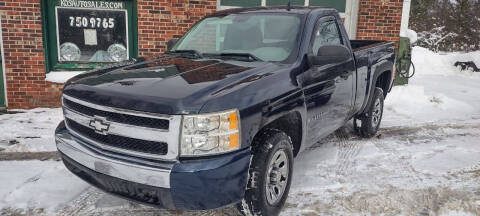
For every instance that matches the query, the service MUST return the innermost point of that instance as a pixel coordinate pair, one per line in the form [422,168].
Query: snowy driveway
[425,161]
[428,169]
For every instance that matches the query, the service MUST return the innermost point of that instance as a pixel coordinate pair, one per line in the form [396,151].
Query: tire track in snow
[393,163]
[94,202]
[347,150]
[81,203]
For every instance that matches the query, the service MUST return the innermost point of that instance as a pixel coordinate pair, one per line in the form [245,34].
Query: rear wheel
[269,175]
[367,124]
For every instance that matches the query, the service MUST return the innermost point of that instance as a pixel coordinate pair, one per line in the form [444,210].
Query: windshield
[263,36]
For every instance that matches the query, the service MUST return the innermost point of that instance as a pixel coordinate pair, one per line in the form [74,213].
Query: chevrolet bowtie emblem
[100,125]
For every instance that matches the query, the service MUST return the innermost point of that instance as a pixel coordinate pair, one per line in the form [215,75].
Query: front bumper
[184,185]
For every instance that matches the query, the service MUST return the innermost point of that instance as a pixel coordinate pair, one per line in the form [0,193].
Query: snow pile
[438,91]
[428,62]
[29,130]
[411,34]
[417,106]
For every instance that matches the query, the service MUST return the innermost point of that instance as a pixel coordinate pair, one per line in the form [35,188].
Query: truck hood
[167,85]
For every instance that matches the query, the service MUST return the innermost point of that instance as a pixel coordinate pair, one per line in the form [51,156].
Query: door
[328,88]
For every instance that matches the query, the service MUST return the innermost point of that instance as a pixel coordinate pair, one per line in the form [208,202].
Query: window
[270,37]
[79,35]
[241,3]
[92,35]
[348,9]
[284,2]
[327,33]
[340,5]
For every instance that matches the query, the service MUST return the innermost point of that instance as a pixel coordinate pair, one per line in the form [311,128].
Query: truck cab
[218,119]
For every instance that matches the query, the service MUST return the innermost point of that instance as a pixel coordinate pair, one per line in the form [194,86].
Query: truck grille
[115,141]
[118,117]
[123,132]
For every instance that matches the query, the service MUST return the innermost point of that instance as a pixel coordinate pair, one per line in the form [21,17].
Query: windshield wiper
[193,52]
[250,56]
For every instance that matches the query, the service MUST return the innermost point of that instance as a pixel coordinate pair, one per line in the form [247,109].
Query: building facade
[44,41]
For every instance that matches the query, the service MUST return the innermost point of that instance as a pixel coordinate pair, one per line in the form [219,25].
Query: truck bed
[365,44]
[369,55]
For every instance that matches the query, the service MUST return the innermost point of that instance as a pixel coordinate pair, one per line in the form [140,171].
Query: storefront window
[241,3]
[337,4]
[83,34]
[92,35]
[285,2]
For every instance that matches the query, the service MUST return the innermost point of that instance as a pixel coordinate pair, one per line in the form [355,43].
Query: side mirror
[330,54]
[171,43]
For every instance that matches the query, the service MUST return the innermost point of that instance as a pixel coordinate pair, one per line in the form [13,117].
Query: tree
[447,25]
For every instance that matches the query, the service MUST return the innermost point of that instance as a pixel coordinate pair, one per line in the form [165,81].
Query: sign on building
[82,34]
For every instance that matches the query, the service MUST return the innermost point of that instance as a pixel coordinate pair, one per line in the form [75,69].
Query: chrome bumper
[193,185]
[72,147]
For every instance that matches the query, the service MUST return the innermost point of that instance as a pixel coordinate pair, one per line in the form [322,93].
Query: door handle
[345,75]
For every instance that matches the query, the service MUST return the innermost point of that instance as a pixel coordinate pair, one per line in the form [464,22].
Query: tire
[272,157]
[367,124]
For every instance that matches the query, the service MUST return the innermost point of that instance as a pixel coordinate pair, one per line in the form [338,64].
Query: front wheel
[270,174]
[367,124]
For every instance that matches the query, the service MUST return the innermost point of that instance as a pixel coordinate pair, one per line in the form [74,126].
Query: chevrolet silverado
[218,119]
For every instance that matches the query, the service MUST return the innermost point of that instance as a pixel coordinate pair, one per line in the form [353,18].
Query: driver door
[328,88]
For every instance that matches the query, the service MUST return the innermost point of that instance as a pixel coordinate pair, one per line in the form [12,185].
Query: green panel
[241,3]
[403,61]
[337,4]
[285,2]
[2,88]
[50,35]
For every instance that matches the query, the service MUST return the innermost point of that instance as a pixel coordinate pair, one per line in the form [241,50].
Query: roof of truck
[293,9]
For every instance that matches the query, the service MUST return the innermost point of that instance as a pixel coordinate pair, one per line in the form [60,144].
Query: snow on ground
[32,184]
[425,161]
[427,169]
[30,130]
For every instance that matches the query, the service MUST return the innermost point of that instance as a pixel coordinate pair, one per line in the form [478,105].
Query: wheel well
[383,81]
[291,124]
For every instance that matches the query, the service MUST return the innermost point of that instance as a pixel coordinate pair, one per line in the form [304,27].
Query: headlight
[208,134]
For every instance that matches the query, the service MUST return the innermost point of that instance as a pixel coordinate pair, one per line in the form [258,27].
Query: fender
[379,68]
[290,104]
[281,103]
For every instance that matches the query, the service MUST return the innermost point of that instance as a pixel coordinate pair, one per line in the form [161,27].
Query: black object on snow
[467,65]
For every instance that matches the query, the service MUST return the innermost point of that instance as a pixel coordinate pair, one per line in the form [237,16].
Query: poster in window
[89,35]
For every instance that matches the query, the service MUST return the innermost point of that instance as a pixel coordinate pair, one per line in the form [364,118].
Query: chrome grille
[146,135]
[126,143]
[118,117]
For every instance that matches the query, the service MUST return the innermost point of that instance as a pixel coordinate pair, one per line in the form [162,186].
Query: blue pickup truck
[218,119]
